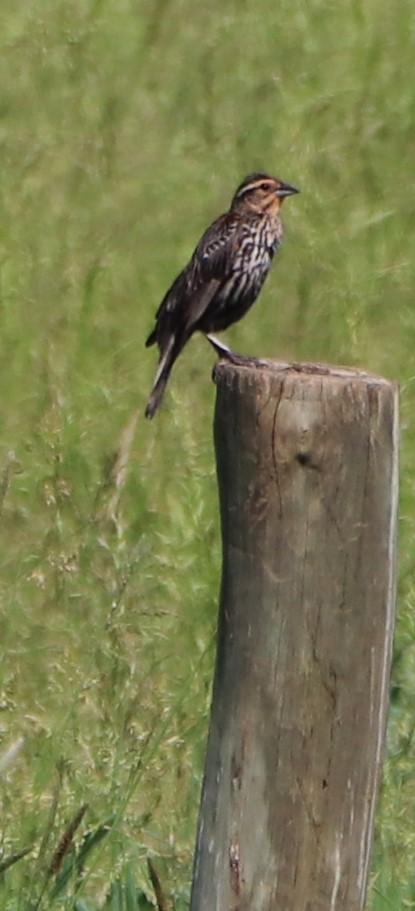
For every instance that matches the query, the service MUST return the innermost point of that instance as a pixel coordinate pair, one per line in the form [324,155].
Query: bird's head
[262,193]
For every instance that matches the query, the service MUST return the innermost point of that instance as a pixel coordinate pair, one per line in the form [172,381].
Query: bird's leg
[240,360]
[223,350]
[219,346]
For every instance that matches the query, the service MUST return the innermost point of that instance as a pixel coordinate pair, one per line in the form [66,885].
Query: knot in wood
[304,458]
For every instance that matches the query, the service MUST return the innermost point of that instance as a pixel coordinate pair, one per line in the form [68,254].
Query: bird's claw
[221,349]
[226,354]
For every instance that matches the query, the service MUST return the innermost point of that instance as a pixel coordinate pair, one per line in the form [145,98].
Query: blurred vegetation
[124,128]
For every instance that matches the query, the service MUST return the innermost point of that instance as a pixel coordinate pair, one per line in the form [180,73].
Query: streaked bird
[224,275]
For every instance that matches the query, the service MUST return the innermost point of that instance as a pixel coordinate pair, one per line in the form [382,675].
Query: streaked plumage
[224,275]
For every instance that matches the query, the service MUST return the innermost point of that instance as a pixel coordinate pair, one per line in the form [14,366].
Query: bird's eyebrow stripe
[251,186]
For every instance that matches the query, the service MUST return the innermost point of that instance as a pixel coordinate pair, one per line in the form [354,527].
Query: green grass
[124,128]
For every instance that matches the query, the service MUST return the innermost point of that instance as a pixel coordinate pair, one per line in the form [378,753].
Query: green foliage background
[124,128]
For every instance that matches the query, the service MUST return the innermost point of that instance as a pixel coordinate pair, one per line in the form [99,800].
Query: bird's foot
[240,360]
[221,349]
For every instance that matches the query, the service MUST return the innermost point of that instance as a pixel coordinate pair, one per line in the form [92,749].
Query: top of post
[228,367]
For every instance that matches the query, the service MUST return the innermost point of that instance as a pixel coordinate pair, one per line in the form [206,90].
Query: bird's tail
[166,362]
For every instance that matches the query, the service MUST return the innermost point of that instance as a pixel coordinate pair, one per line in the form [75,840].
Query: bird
[224,275]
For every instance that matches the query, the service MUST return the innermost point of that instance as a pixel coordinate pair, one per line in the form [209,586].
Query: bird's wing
[215,248]
[209,265]
[190,294]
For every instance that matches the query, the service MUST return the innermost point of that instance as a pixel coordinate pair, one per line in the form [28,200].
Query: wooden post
[308,480]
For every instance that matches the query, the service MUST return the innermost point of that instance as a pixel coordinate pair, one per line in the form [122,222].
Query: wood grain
[307,467]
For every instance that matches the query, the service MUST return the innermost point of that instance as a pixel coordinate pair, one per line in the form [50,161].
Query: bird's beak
[286,190]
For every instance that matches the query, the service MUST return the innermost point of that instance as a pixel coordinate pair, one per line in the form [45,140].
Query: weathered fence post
[307,468]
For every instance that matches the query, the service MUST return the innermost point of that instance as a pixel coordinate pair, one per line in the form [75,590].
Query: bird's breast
[258,245]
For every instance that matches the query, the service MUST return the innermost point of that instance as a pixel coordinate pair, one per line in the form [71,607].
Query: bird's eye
[265,187]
